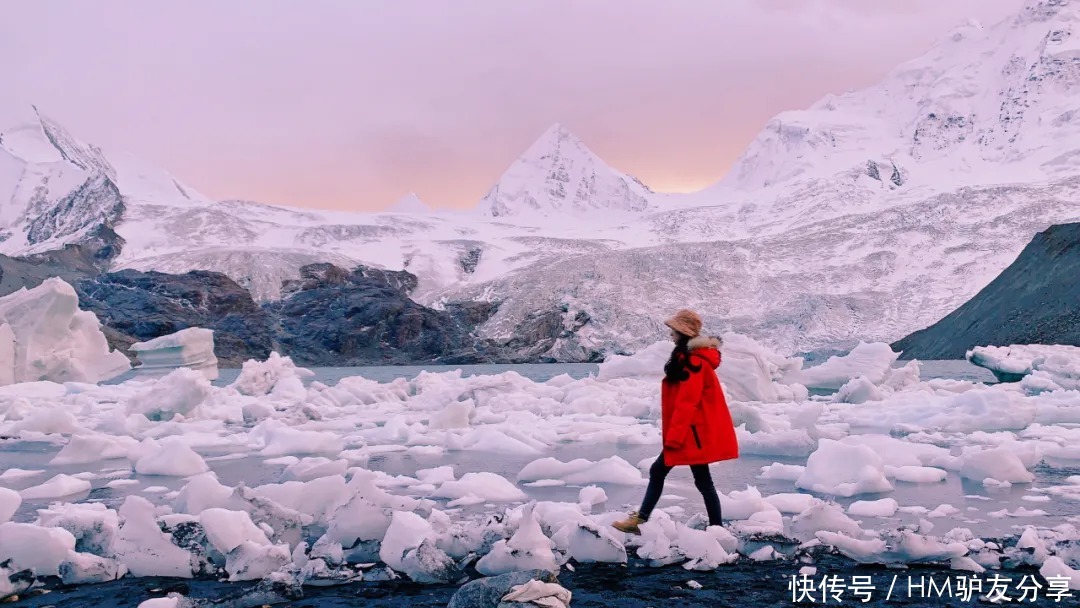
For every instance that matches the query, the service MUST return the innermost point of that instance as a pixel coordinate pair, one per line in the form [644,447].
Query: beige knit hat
[686,322]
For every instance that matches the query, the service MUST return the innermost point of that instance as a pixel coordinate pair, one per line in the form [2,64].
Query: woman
[696,424]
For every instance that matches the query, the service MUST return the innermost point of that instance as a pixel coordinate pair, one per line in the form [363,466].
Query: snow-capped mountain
[557,175]
[410,203]
[868,216]
[993,104]
[56,190]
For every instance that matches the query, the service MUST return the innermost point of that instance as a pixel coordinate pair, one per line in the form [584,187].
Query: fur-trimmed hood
[704,342]
[706,348]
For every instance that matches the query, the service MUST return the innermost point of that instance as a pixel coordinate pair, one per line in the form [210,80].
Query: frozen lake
[474,443]
[973,500]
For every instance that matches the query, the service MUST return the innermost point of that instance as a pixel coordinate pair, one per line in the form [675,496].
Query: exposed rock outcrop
[1036,300]
[139,306]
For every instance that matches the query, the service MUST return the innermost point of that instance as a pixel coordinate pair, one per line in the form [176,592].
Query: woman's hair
[678,366]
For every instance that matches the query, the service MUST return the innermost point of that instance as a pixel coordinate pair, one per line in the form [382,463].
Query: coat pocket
[697,440]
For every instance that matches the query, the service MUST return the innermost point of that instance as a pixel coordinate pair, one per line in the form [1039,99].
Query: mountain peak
[558,173]
[410,203]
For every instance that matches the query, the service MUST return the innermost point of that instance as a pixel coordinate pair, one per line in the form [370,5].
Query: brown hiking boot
[630,524]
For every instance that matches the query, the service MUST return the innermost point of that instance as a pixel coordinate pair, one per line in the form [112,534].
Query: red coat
[697,425]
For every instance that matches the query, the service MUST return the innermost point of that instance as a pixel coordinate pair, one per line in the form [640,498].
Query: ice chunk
[59,486]
[646,363]
[943,510]
[824,516]
[171,601]
[7,356]
[48,420]
[915,474]
[844,470]
[13,581]
[171,457]
[612,470]
[1011,363]
[429,564]
[258,378]
[792,503]
[9,504]
[85,448]
[53,339]
[14,474]
[862,550]
[143,548]
[1058,371]
[456,415]
[1055,568]
[406,532]
[227,530]
[307,469]
[527,549]
[436,475]
[858,390]
[281,440]
[885,507]
[588,542]
[200,493]
[488,487]
[999,463]
[985,410]
[871,361]
[34,547]
[179,392]
[591,496]
[750,372]
[86,568]
[191,348]
[251,561]
[93,525]
[703,548]
[783,472]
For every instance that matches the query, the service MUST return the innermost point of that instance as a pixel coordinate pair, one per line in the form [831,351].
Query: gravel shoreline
[634,585]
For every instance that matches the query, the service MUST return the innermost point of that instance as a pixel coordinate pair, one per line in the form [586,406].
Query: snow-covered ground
[279,475]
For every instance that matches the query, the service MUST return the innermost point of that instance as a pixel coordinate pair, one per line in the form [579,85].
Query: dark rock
[334,317]
[1033,301]
[97,202]
[17,273]
[896,178]
[472,314]
[536,335]
[872,170]
[316,276]
[91,256]
[487,592]
[469,259]
[138,306]
[401,280]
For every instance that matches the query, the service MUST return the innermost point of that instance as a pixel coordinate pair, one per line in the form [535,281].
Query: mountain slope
[1034,301]
[558,174]
[57,191]
[985,105]
[868,276]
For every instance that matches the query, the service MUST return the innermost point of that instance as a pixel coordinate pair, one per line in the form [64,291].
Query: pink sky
[350,104]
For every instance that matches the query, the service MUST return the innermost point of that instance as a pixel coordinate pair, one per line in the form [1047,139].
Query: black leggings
[702,479]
